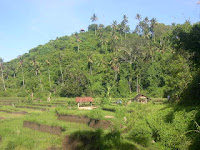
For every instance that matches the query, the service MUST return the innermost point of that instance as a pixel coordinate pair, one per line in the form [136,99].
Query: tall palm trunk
[125,32]
[130,88]
[23,78]
[49,77]
[116,75]
[4,85]
[137,85]
[90,69]
[40,81]
[78,47]
[61,69]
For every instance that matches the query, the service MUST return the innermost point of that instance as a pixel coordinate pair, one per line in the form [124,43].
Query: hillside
[108,61]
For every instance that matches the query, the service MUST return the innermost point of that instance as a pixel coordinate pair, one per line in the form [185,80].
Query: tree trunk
[49,98]
[23,77]
[40,82]
[4,85]
[137,86]
[90,70]
[49,77]
[32,96]
[61,70]
[78,47]
[130,85]
[121,38]
[125,31]
[116,74]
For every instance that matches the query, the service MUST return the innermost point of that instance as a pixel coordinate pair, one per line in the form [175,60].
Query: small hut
[84,100]
[82,30]
[141,98]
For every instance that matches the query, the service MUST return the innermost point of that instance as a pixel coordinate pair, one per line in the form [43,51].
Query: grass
[15,137]
[94,114]
[138,126]
[50,118]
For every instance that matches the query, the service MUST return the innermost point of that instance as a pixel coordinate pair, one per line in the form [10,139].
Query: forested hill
[112,61]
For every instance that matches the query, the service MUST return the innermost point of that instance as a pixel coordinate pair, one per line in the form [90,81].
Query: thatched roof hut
[141,98]
[84,99]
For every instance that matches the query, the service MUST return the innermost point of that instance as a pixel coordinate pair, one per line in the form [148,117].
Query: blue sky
[24,24]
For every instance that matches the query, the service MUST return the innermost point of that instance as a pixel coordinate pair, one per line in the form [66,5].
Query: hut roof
[84,99]
[141,96]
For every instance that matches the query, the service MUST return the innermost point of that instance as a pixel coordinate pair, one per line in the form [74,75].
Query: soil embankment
[43,128]
[42,109]
[70,144]
[94,123]
[74,118]
[109,109]
[15,112]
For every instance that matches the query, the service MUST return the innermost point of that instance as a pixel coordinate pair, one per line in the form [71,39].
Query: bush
[141,133]
[96,114]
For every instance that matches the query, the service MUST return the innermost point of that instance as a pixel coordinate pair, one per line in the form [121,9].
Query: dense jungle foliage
[111,61]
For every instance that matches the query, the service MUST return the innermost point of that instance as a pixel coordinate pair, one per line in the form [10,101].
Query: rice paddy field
[60,125]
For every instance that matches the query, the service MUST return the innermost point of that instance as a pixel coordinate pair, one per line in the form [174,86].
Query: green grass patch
[50,118]
[15,137]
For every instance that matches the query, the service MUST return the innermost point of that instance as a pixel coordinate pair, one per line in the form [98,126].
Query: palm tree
[146,29]
[152,26]
[48,64]
[94,18]
[114,25]
[101,26]
[115,66]
[37,67]
[60,59]
[138,17]
[138,27]
[90,62]
[1,65]
[21,66]
[77,40]
[124,23]
[39,71]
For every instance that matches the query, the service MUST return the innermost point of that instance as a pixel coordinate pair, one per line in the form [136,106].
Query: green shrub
[141,133]
[96,114]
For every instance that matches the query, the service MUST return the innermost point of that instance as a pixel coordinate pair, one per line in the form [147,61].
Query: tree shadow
[169,117]
[195,136]
[96,140]
[192,127]
[191,95]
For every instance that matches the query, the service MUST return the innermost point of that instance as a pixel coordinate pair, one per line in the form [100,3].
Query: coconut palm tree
[21,66]
[1,65]
[114,25]
[77,40]
[115,66]
[60,59]
[124,23]
[94,18]
[138,17]
[152,26]
[48,64]
[90,62]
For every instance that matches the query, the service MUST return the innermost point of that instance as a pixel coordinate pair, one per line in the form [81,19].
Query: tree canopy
[156,59]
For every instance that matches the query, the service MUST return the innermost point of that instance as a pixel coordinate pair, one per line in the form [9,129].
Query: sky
[25,24]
